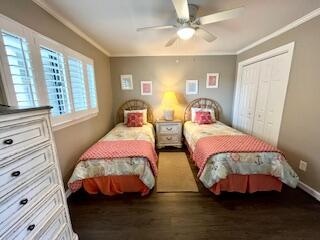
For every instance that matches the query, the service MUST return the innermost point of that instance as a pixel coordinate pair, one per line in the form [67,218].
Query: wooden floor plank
[291,214]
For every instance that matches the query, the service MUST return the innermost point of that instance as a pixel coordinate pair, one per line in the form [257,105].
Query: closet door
[260,113]
[272,90]
[248,94]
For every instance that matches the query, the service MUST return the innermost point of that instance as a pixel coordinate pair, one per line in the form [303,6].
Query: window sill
[68,123]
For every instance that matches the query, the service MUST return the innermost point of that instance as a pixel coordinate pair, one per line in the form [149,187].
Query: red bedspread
[212,145]
[120,149]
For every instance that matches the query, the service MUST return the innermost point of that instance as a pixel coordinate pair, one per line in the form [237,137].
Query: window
[78,86]
[92,86]
[55,78]
[19,63]
[38,70]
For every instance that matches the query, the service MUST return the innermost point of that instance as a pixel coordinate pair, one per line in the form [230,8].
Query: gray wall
[170,73]
[300,132]
[71,141]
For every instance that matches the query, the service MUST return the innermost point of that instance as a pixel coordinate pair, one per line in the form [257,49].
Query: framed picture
[191,87]
[126,82]
[146,87]
[212,80]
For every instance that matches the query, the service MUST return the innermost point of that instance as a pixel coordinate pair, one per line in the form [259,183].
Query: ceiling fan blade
[171,41]
[203,33]
[155,28]
[220,16]
[182,9]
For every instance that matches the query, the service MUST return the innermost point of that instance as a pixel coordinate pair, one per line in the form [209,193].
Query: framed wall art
[146,87]
[126,82]
[212,80]
[191,87]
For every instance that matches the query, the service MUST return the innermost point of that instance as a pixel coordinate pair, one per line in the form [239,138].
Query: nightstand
[169,133]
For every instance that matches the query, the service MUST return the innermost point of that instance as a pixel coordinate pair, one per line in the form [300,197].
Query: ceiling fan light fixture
[185,33]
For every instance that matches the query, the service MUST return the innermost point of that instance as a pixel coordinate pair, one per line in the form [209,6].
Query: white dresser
[32,198]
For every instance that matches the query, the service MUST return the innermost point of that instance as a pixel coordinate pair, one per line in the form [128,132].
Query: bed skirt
[112,185]
[247,183]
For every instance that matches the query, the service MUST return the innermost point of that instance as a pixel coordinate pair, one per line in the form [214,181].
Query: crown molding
[296,23]
[174,54]
[70,25]
[75,29]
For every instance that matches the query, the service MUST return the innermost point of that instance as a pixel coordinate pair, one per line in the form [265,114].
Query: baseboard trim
[68,193]
[309,190]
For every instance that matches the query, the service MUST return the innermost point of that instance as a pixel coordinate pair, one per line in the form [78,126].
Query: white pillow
[194,110]
[143,111]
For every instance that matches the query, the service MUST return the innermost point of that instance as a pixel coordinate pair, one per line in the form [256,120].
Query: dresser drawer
[169,128]
[169,139]
[16,203]
[35,220]
[55,227]
[65,235]
[20,169]
[23,135]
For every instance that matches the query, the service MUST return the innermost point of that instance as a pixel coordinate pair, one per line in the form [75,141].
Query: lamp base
[168,114]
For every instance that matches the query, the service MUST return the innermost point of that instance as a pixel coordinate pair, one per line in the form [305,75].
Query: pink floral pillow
[203,117]
[135,119]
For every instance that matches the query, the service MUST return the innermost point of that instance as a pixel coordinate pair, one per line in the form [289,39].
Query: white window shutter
[54,75]
[20,65]
[92,86]
[77,84]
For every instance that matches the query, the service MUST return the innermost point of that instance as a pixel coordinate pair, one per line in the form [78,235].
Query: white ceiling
[112,23]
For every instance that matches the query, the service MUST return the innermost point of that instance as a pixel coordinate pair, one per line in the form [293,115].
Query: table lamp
[168,102]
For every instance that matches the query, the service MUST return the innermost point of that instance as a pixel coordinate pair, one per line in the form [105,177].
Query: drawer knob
[169,129]
[15,173]
[8,141]
[24,201]
[169,138]
[31,227]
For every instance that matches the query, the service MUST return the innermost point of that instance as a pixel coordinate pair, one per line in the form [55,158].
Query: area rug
[175,174]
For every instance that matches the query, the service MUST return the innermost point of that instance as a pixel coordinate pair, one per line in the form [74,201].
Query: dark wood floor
[291,214]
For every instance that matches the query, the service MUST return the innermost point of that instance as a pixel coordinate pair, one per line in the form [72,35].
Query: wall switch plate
[303,165]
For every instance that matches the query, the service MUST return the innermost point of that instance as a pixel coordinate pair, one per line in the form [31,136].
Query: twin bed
[229,160]
[125,159]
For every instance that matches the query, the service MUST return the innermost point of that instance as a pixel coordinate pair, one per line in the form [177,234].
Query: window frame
[7,81]
[69,53]
[35,41]
[45,42]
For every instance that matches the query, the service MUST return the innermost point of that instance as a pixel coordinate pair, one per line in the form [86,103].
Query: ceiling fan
[188,23]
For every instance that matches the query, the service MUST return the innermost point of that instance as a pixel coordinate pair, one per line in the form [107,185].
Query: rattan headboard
[202,103]
[135,104]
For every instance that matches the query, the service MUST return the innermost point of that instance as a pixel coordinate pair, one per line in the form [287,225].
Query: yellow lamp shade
[168,102]
[169,99]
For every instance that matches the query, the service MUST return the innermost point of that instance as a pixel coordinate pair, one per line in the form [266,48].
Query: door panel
[262,98]
[276,98]
[248,93]
[270,99]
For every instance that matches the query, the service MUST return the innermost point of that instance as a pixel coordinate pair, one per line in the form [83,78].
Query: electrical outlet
[303,165]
